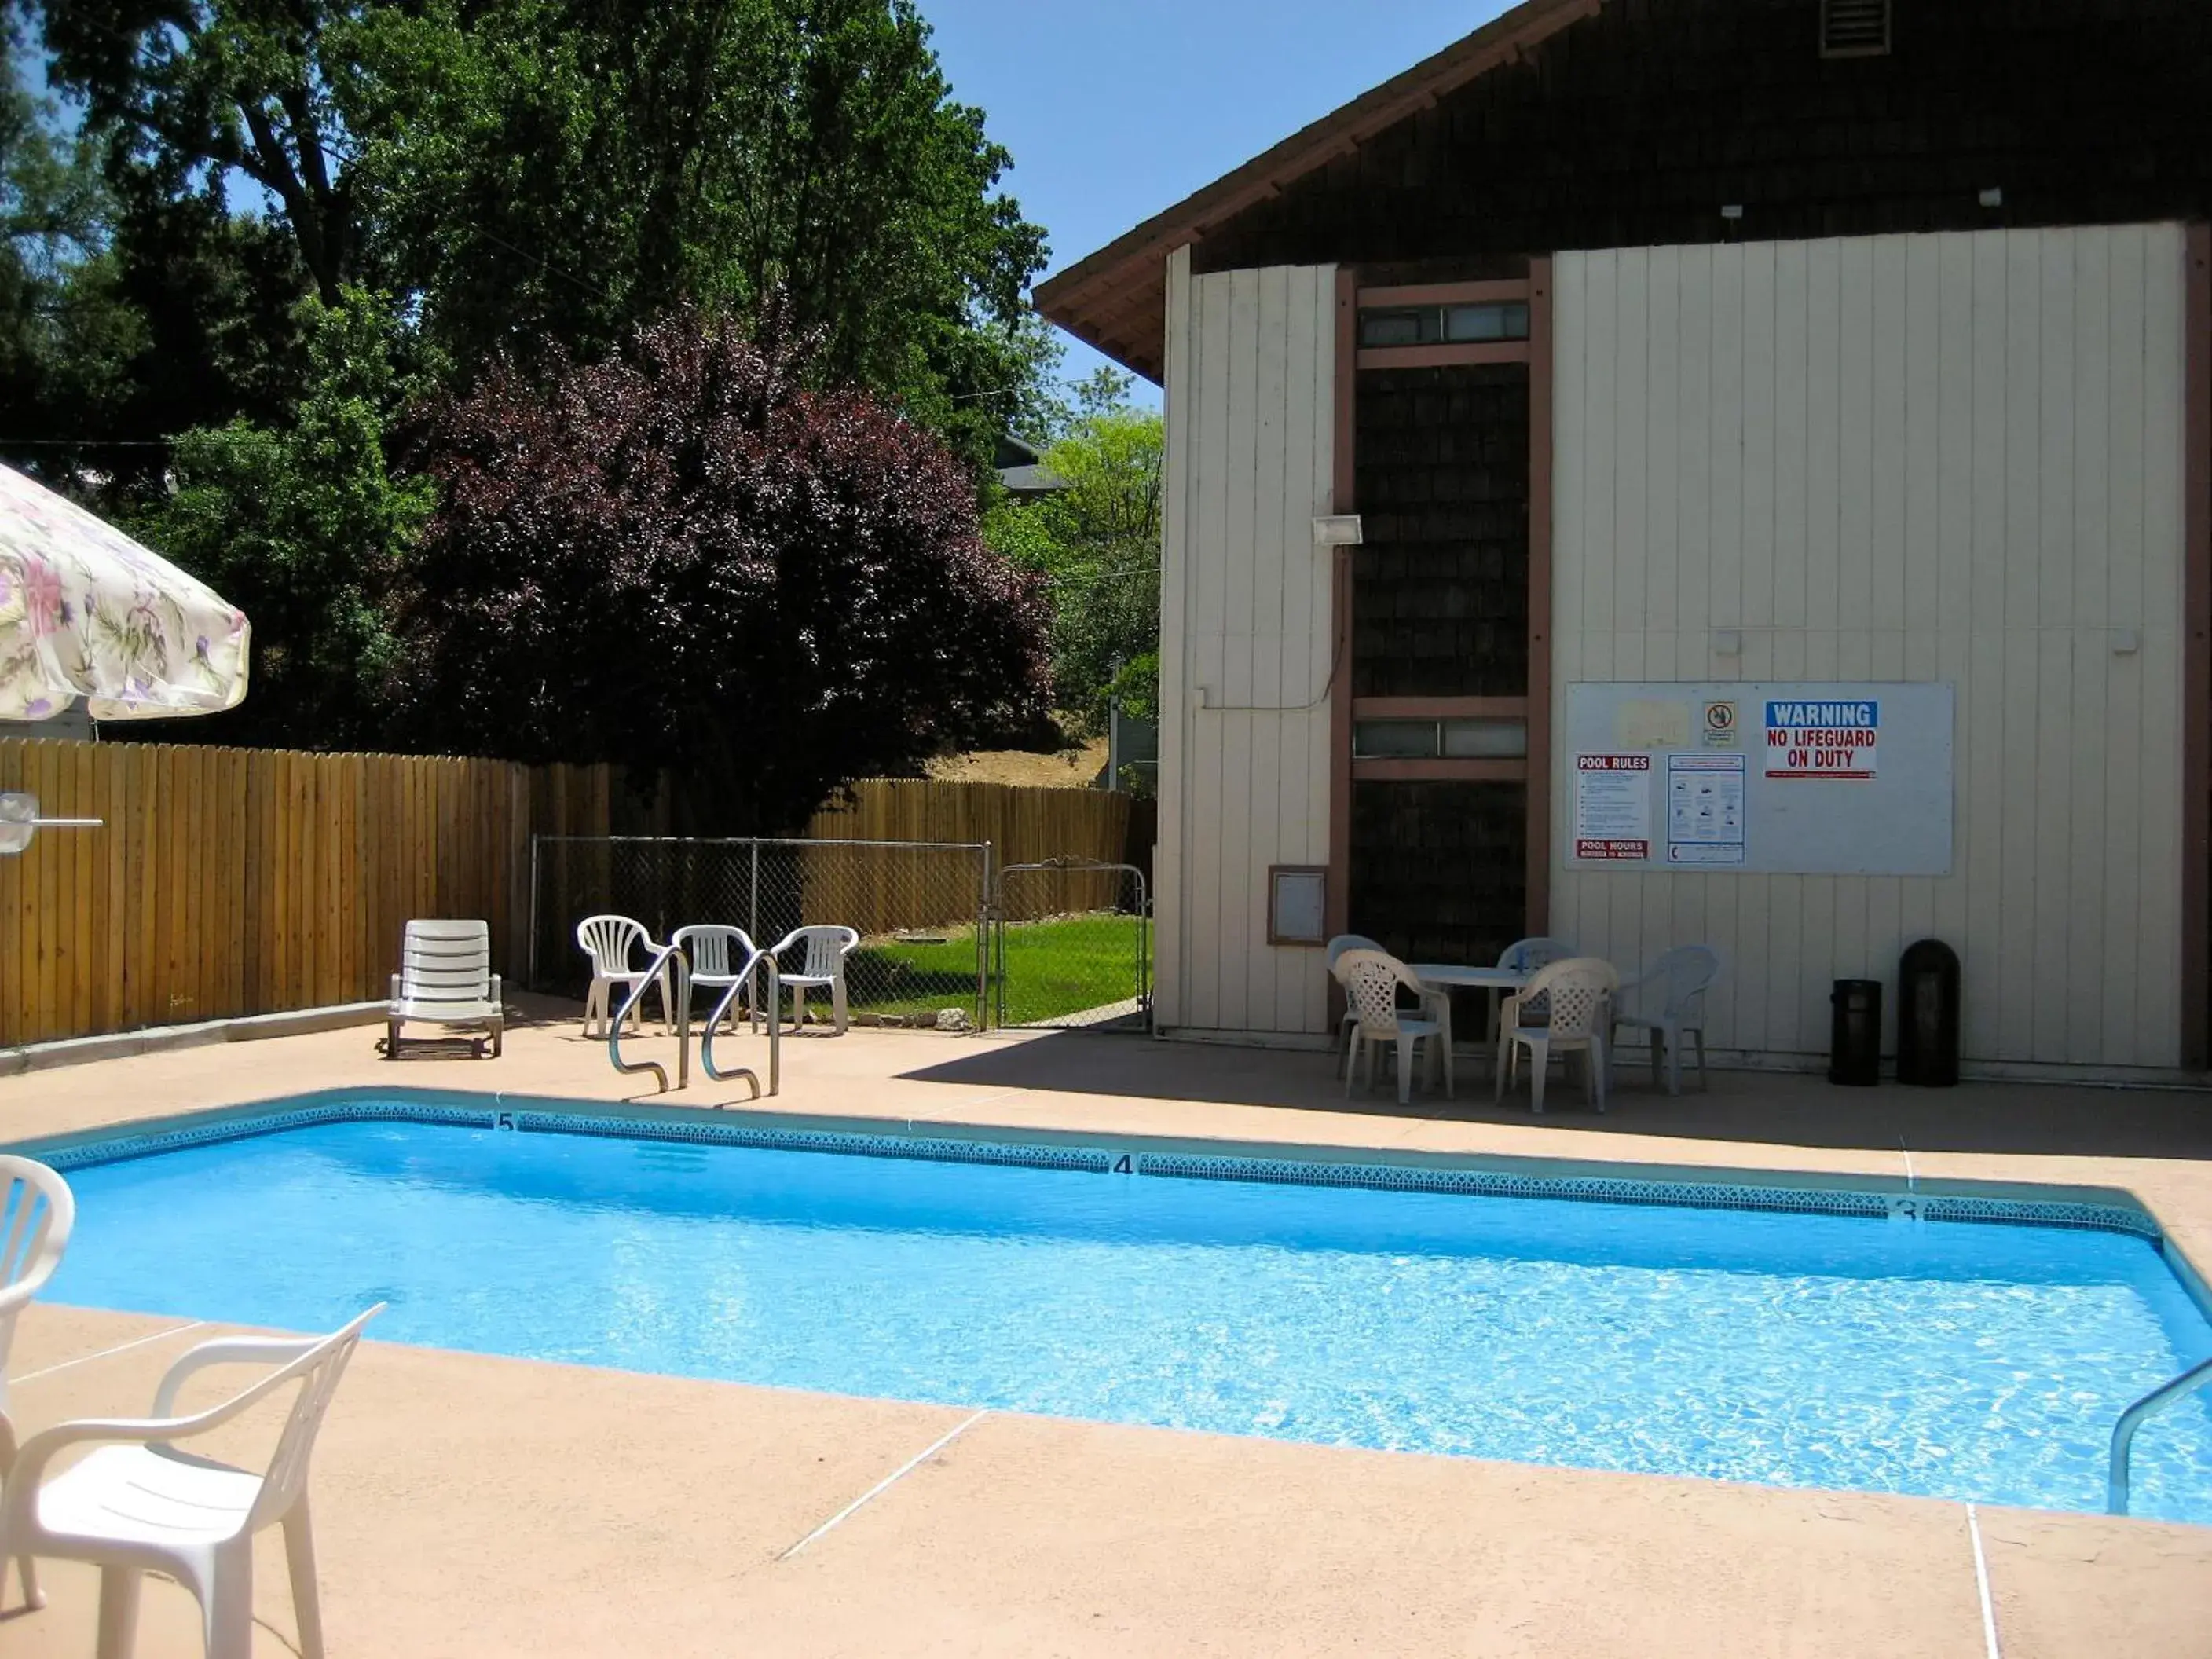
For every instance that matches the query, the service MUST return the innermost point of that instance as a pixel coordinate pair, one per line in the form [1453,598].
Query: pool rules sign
[1612,808]
[1822,739]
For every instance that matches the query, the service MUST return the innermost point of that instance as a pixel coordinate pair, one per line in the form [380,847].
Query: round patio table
[1471,975]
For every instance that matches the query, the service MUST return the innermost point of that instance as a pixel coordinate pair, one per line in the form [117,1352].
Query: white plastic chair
[827,947]
[445,978]
[721,956]
[1578,993]
[609,941]
[1371,981]
[1681,978]
[1348,1027]
[139,1505]
[1526,957]
[37,1211]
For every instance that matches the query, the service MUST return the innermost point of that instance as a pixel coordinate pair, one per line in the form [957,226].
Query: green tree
[1097,543]
[536,174]
[66,333]
[307,530]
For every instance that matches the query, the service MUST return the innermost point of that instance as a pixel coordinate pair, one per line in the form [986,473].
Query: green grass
[1052,968]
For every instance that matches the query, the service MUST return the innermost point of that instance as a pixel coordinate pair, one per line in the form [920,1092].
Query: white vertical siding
[1244,645]
[1948,458]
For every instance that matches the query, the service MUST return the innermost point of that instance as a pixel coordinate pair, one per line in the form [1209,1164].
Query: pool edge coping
[1289,1163]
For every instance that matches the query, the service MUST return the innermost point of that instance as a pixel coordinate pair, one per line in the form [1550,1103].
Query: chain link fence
[1063,943]
[1071,947]
[920,909]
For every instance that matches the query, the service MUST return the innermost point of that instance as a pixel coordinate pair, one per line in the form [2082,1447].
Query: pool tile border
[82,1152]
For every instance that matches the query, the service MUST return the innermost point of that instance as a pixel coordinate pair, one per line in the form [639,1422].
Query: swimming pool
[1955,1359]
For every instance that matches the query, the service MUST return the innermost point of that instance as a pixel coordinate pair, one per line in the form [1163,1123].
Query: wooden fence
[232,881]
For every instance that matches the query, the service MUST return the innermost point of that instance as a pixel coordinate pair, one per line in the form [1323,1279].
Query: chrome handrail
[774,1034]
[2124,1432]
[668,956]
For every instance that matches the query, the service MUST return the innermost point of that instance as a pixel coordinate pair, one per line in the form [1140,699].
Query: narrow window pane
[1395,739]
[1501,321]
[1395,328]
[1486,739]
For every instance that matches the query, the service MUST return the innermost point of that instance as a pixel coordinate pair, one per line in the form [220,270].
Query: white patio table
[1482,976]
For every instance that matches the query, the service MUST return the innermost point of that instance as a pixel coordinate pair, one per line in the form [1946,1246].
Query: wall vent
[1854,28]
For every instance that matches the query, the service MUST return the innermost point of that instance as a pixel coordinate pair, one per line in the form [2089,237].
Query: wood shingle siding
[1442,580]
[1636,125]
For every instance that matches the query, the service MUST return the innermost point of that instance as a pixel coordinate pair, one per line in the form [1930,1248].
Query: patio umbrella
[87,612]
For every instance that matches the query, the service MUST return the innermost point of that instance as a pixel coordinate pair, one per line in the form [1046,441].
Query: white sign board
[1612,808]
[1807,779]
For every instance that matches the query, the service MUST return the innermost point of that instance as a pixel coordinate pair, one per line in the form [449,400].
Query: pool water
[1948,1359]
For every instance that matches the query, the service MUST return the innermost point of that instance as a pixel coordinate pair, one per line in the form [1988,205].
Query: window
[1497,322]
[1481,739]
[1470,325]
[1395,740]
[1854,28]
[1447,740]
[1297,904]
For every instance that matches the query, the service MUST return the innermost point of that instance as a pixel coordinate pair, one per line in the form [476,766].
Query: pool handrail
[2124,1432]
[667,956]
[760,957]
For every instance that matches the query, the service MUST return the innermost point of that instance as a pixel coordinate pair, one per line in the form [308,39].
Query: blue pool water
[1948,1359]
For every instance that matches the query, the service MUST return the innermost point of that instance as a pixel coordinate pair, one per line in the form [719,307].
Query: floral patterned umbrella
[87,612]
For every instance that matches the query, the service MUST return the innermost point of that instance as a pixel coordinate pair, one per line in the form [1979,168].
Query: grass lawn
[1054,967]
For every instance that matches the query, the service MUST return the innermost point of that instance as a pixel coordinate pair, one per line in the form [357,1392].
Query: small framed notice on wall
[1297,904]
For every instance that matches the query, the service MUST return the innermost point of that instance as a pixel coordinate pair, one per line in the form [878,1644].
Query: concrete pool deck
[469,1505]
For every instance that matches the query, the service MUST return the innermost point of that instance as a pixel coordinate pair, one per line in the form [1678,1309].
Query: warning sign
[1720,724]
[1822,739]
[1612,808]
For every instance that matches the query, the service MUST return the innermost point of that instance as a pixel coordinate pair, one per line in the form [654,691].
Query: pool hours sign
[1824,739]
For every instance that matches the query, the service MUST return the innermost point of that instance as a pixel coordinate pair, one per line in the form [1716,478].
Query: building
[1780,438]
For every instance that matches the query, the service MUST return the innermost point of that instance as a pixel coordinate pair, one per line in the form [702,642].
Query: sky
[1115,109]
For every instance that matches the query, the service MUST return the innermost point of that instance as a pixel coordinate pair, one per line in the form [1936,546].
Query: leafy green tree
[534,174]
[1097,543]
[306,529]
[66,335]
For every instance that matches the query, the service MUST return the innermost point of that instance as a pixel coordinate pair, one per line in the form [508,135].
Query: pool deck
[469,1506]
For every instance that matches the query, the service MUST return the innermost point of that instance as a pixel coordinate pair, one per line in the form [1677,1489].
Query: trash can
[1927,1015]
[1855,1038]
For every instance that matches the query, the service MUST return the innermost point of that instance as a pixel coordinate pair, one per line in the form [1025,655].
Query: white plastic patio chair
[37,1211]
[1578,993]
[1678,981]
[609,941]
[1371,981]
[1349,1026]
[721,956]
[1526,957]
[827,947]
[139,1505]
[445,978]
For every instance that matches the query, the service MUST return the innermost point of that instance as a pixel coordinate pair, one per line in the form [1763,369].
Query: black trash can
[1927,1015]
[1855,1038]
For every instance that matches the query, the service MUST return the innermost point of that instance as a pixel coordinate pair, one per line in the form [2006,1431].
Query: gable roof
[1116,299]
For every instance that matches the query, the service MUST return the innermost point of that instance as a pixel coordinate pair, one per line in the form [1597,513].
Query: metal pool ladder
[673,960]
[2124,1432]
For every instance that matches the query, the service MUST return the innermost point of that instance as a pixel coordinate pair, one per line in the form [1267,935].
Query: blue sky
[1115,109]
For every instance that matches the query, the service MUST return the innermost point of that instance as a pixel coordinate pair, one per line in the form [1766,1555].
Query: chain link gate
[921,908]
[1071,947]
